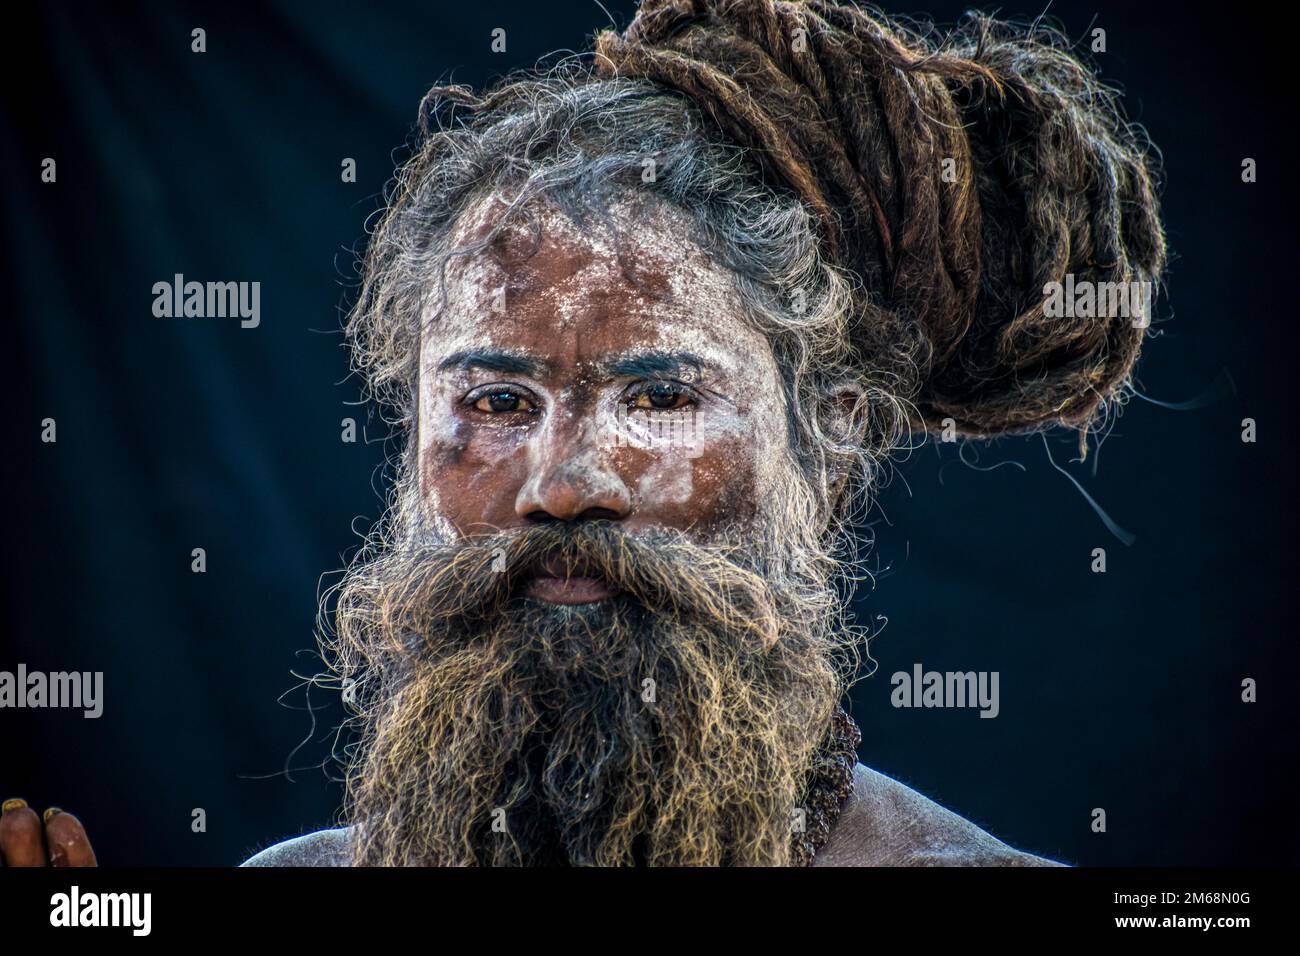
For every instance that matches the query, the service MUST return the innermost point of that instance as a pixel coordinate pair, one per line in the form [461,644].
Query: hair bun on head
[958,178]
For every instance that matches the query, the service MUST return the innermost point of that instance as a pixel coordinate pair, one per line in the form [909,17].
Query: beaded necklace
[829,784]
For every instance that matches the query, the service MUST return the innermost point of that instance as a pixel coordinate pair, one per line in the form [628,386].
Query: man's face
[560,384]
[588,641]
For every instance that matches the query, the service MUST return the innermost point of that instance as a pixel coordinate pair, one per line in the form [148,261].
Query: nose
[571,480]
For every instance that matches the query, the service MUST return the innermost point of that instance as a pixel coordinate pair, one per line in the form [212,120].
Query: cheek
[716,487]
[473,476]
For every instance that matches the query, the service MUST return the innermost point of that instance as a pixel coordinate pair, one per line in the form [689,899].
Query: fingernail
[52,811]
[16,803]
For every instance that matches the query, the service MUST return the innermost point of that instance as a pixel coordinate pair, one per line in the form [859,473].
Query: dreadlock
[955,177]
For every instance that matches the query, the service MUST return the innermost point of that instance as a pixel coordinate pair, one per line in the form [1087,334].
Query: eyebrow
[508,363]
[640,364]
[648,364]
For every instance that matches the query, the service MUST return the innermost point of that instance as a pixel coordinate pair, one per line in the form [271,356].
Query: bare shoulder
[320,848]
[886,823]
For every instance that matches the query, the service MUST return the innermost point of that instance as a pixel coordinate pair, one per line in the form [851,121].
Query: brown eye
[502,403]
[662,396]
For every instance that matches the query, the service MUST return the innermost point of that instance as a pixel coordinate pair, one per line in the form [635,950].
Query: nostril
[589,514]
[574,490]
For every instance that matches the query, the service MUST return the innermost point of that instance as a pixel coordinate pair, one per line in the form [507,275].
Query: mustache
[460,586]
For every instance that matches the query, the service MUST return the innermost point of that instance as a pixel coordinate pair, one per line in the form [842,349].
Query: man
[650,330]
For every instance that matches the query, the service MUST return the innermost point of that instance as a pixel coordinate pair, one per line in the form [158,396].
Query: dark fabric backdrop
[1118,690]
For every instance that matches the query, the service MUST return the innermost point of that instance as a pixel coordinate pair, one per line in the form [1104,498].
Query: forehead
[552,289]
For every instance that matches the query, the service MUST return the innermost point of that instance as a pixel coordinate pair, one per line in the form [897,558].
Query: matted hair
[808,144]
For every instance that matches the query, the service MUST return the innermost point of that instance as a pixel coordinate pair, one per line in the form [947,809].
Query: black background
[1118,690]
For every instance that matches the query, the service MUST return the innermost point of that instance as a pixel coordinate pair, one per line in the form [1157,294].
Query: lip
[553,585]
[580,590]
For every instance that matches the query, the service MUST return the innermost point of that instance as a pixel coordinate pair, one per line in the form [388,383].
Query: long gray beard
[674,724]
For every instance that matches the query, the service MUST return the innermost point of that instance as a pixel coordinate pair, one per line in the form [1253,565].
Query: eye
[501,401]
[663,396]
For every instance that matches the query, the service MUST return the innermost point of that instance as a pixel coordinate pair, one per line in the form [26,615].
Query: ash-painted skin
[502,445]
[521,374]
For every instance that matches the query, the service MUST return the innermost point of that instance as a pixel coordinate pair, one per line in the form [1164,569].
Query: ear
[844,406]
[844,403]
